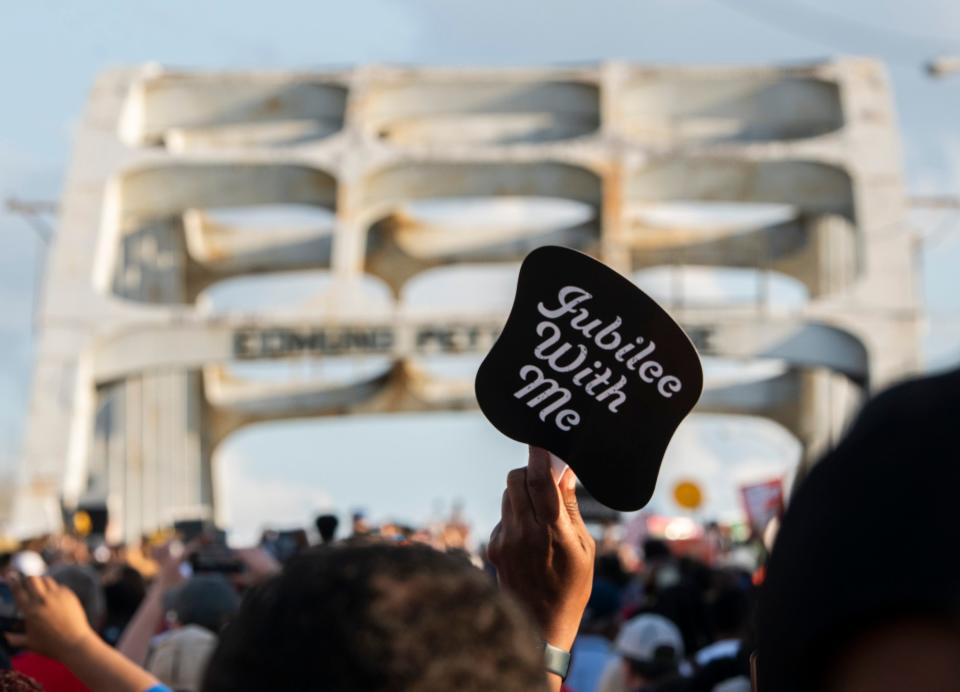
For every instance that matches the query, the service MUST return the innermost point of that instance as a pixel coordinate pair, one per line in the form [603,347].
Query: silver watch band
[556,660]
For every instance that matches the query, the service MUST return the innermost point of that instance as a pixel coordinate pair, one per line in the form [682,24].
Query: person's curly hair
[12,681]
[378,617]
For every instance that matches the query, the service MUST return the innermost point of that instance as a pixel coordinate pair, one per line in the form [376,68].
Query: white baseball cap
[640,638]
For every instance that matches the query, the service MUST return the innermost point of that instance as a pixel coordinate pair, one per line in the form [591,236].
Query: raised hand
[55,619]
[542,550]
[57,627]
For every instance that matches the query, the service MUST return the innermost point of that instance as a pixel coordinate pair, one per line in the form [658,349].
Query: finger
[47,586]
[521,511]
[541,487]
[568,490]
[33,589]
[506,509]
[495,534]
[493,547]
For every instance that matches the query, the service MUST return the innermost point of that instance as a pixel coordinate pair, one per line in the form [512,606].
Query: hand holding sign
[543,551]
[591,369]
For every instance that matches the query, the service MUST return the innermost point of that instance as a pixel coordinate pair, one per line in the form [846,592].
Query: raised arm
[543,552]
[57,627]
[135,641]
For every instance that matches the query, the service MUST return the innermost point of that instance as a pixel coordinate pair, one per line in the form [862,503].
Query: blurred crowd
[163,601]
[859,591]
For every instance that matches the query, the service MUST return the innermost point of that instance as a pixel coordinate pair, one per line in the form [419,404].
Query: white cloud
[250,503]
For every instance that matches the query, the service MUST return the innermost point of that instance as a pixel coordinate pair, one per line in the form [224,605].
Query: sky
[50,53]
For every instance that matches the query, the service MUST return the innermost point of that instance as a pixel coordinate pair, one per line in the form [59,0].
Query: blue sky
[50,53]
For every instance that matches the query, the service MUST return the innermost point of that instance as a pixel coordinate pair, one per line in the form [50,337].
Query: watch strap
[556,660]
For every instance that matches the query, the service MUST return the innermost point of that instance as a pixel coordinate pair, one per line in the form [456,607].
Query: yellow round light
[687,494]
[82,523]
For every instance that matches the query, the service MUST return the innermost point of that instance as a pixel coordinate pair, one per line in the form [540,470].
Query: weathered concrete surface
[134,388]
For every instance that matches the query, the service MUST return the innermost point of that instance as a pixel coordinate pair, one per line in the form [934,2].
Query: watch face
[590,368]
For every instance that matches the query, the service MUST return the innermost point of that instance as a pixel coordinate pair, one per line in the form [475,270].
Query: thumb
[568,491]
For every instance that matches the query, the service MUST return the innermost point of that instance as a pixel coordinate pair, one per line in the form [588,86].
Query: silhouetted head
[85,583]
[206,600]
[728,609]
[327,527]
[844,606]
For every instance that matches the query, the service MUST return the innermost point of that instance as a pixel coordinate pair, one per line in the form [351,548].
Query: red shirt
[53,675]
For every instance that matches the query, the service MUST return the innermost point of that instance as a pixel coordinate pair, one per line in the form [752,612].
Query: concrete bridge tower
[136,382]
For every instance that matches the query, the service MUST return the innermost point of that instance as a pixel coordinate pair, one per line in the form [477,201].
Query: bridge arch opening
[719,288]
[444,111]
[426,463]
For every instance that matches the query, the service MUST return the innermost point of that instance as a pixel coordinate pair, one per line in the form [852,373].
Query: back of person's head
[610,568]
[180,658]
[651,645]
[603,609]
[728,609]
[604,601]
[377,617]
[207,600]
[327,527]
[839,593]
[125,590]
[655,550]
[85,583]
[12,681]
[123,595]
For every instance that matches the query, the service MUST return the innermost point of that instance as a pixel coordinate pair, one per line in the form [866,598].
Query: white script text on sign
[566,358]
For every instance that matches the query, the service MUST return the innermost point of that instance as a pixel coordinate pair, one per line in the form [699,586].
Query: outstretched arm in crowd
[259,566]
[57,627]
[135,641]
[542,550]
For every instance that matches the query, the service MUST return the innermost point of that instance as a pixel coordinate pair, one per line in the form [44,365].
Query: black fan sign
[591,369]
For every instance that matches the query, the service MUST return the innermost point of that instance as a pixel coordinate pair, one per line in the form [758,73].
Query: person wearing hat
[199,609]
[204,600]
[651,652]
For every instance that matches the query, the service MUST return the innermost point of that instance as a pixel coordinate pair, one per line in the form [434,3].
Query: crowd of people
[163,601]
[860,592]
[165,610]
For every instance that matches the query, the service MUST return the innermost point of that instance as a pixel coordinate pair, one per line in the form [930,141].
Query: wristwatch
[556,660]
